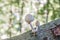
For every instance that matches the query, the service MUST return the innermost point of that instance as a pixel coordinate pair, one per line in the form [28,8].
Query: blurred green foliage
[51,7]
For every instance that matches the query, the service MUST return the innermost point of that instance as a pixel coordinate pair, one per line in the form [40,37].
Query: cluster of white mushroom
[29,18]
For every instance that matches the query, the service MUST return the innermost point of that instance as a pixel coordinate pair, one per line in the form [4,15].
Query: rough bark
[44,31]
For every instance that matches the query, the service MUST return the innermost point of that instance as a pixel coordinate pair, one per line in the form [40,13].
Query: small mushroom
[29,18]
[37,23]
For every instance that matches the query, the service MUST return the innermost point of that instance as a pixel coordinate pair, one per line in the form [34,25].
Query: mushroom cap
[37,23]
[29,18]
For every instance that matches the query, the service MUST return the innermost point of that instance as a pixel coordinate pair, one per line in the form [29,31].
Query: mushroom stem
[33,29]
[31,26]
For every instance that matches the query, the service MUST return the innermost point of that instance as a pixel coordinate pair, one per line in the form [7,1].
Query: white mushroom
[37,23]
[29,18]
